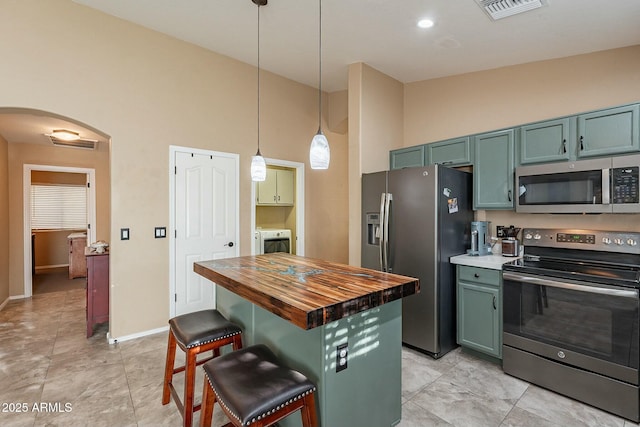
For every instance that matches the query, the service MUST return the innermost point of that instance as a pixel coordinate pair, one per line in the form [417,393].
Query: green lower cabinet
[480,309]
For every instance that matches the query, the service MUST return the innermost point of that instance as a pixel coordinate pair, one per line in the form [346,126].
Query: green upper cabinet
[607,132]
[452,152]
[407,157]
[493,170]
[548,141]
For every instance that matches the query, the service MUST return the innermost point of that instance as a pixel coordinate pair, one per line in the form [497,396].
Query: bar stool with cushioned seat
[255,389]
[195,333]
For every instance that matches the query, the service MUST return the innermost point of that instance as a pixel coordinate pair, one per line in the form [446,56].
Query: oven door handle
[624,293]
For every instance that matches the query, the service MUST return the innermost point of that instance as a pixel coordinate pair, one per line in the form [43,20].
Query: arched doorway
[31,147]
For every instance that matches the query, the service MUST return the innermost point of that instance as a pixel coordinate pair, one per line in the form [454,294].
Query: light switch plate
[124,234]
[160,232]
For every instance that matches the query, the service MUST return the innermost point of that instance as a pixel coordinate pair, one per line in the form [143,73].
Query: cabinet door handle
[476,275]
[564,146]
[274,198]
[494,303]
[581,142]
[278,198]
[509,195]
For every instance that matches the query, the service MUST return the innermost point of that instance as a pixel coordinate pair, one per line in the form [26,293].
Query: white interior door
[206,221]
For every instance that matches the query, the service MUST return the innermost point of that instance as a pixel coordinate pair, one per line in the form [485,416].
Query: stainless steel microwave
[606,185]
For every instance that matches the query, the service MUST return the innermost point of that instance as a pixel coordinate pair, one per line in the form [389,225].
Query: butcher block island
[338,324]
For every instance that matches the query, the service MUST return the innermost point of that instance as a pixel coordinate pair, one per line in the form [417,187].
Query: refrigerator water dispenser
[373,228]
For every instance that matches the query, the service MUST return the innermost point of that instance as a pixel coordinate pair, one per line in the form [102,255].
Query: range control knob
[537,236]
[632,242]
[618,241]
[528,236]
[606,240]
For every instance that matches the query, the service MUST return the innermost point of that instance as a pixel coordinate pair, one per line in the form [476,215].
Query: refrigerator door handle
[387,205]
[382,232]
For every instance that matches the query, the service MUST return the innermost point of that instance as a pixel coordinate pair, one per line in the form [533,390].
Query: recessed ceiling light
[425,23]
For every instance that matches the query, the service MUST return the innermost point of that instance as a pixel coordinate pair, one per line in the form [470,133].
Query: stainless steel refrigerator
[414,220]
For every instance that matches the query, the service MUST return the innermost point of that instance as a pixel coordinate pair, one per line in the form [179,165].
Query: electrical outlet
[500,231]
[342,354]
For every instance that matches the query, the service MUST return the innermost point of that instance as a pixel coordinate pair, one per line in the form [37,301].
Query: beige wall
[381,117]
[65,178]
[471,103]
[375,127]
[51,248]
[487,100]
[148,91]
[4,220]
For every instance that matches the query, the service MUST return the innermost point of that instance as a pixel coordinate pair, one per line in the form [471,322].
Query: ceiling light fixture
[65,135]
[319,153]
[425,23]
[258,165]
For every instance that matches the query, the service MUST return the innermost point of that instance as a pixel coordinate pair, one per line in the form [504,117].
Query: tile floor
[45,358]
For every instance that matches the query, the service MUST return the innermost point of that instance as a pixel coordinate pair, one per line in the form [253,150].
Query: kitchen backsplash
[612,222]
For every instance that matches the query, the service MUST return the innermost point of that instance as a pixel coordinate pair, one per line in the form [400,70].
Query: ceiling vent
[498,9]
[87,144]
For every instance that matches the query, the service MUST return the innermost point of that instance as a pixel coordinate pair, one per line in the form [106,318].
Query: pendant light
[319,153]
[258,165]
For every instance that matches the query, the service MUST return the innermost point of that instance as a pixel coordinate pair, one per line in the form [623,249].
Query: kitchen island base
[367,392]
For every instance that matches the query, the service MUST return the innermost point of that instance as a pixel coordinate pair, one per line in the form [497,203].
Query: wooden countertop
[307,292]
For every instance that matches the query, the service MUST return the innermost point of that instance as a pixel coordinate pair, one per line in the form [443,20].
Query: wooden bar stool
[255,389]
[195,333]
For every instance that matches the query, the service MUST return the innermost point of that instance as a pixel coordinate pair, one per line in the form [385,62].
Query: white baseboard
[113,340]
[47,267]
[17,297]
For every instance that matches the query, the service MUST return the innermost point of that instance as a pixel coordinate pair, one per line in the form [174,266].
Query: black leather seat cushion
[202,327]
[252,382]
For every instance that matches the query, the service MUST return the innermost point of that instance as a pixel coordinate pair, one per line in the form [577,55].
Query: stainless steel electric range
[571,316]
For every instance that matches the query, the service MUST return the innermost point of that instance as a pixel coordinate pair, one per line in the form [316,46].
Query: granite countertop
[305,291]
[493,261]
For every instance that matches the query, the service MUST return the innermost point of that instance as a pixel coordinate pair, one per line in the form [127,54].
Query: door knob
[230,244]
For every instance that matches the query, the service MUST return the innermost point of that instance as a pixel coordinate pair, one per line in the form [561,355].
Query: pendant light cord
[319,65]
[259,79]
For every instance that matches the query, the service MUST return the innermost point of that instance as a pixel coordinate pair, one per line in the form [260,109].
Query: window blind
[58,207]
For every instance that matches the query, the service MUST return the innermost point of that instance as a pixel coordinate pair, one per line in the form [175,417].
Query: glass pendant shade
[258,167]
[319,154]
